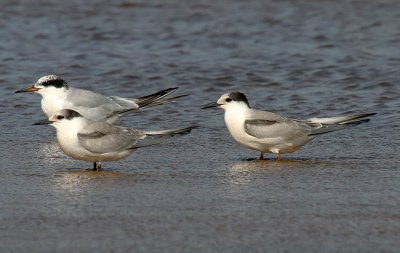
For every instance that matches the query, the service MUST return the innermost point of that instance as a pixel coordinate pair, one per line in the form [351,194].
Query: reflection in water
[243,172]
[255,166]
[81,181]
[72,182]
[78,191]
[243,176]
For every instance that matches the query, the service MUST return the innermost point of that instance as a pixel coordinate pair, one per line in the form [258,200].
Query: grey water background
[202,192]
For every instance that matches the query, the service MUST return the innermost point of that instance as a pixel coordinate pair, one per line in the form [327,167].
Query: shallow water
[202,192]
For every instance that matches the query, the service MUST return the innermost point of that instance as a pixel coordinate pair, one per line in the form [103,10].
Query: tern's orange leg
[261,156]
[97,166]
[278,156]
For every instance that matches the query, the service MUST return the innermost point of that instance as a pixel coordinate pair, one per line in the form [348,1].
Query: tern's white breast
[53,100]
[69,143]
[235,117]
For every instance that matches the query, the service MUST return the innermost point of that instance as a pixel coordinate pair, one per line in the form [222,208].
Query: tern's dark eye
[228,100]
[60,117]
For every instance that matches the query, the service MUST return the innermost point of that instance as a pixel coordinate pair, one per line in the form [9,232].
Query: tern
[268,132]
[99,141]
[57,95]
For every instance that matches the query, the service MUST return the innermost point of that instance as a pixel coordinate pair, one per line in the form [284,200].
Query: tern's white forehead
[48,78]
[226,95]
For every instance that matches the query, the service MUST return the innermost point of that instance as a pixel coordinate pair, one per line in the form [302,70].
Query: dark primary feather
[120,113]
[149,100]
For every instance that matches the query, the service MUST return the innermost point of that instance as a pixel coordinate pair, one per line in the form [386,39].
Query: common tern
[268,132]
[57,95]
[99,141]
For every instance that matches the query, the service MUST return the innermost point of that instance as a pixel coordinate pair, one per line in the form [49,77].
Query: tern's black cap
[52,81]
[239,97]
[70,114]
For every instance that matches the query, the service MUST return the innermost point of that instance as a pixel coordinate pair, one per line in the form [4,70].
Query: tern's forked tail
[341,119]
[157,137]
[326,125]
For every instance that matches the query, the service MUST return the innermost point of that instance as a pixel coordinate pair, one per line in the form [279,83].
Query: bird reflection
[243,177]
[74,179]
[268,165]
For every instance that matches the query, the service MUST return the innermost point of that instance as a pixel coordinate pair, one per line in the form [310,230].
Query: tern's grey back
[84,98]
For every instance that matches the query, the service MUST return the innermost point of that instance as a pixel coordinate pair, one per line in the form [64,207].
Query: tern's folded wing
[101,137]
[85,98]
[262,125]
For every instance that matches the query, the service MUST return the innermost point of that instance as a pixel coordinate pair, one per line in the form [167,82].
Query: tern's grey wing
[101,137]
[85,98]
[125,102]
[262,125]
[95,106]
